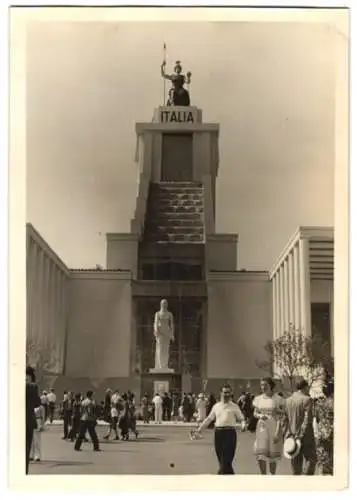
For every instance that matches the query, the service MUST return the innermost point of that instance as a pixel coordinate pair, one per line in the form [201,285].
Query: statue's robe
[164,333]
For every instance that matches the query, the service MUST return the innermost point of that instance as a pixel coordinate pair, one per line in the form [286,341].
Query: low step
[175,238]
[174,209]
[177,215]
[177,230]
[173,222]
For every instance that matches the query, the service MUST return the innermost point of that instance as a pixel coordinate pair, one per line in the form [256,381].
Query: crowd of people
[297,427]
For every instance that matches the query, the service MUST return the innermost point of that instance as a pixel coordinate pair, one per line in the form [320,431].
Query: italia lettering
[176,117]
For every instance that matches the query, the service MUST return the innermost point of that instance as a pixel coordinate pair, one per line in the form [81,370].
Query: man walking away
[166,407]
[225,415]
[124,417]
[185,403]
[32,401]
[88,423]
[107,405]
[299,424]
[145,408]
[157,402]
[67,415]
[76,417]
[51,398]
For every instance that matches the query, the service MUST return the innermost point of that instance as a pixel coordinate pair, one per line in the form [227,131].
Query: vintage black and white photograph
[181,239]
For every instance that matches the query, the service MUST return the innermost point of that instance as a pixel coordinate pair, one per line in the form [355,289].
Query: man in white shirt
[51,398]
[225,415]
[157,402]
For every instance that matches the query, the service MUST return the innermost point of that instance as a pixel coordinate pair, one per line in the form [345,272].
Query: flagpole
[164,78]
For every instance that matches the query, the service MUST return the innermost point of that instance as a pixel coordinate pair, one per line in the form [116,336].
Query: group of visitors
[187,408]
[298,427]
[171,407]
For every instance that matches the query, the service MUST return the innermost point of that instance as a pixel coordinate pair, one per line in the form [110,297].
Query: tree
[42,358]
[293,354]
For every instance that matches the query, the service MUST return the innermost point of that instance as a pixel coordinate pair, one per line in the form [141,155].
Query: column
[286,300]
[39,310]
[291,288]
[305,286]
[59,321]
[30,287]
[45,302]
[332,321]
[63,345]
[297,312]
[275,326]
[52,308]
[281,301]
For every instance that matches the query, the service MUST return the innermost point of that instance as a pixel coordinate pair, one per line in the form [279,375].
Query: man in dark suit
[300,425]
[32,401]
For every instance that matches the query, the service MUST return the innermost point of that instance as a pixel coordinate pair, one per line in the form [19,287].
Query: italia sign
[168,116]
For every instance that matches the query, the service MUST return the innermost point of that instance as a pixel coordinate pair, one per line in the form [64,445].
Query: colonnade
[46,306]
[291,291]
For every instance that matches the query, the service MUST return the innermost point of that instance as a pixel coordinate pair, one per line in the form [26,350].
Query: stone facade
[47,305]
[99,323]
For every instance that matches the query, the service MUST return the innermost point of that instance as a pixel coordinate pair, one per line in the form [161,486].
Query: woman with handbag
[269,411]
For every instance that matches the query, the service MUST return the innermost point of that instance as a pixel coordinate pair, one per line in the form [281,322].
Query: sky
[270,86]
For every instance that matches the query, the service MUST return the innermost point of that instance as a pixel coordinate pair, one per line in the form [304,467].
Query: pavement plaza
[159,450]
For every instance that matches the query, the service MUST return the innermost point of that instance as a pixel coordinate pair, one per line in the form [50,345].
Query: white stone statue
[164,334]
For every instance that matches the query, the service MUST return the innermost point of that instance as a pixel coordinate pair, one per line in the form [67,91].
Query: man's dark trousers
[67,418]
[87,425]
[308,455]
[166,414]
[51,411]
[225,443]
[29,438]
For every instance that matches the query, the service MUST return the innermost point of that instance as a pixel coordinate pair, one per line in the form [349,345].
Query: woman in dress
[201,404]
[269,411]
[324,415]
[36,448]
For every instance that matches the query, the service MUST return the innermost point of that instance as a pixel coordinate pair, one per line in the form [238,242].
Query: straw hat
[292,447]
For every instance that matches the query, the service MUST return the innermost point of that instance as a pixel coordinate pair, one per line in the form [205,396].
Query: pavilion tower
[173,244]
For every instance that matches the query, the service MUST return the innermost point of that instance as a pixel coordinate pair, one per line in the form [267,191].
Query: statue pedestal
[161,371]
[162,380]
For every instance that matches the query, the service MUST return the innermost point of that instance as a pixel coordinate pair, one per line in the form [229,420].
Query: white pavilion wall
[47,280]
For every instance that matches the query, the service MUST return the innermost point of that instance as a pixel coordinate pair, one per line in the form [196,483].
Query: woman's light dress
[273,408]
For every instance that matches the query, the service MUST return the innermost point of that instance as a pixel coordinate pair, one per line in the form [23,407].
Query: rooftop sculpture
[178,95]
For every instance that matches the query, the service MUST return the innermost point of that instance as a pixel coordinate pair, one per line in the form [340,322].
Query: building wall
[321,291]
[100,325]
[122,252]
[47,285]
[239,324]
[221,252]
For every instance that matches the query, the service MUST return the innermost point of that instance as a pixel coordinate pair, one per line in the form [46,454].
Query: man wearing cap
[225,416]
[299,444]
